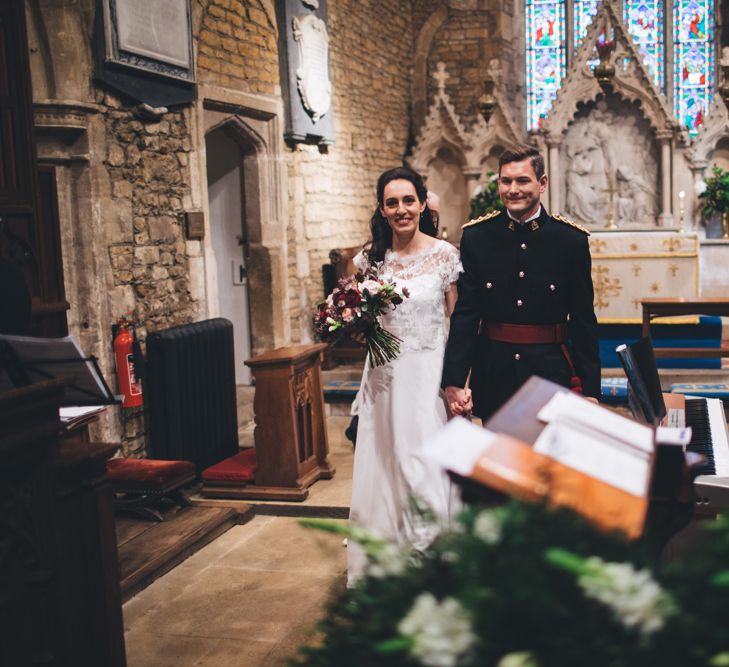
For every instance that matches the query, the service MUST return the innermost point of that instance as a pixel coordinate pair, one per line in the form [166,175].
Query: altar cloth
[629,266]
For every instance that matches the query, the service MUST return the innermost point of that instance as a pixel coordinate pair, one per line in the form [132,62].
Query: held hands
[459,400]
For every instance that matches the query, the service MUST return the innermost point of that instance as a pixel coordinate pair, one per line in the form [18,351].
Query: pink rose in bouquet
[353,309]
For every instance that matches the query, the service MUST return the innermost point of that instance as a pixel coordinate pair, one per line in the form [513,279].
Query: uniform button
[552,287]
[517,356]
[523,246]
[521,274]
[519,303]
[489,285]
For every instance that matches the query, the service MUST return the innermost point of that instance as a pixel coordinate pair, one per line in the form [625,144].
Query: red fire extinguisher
[129,385]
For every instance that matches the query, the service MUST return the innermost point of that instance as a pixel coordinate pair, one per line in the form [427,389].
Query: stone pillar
[665,216]
[554,185]
[472,176]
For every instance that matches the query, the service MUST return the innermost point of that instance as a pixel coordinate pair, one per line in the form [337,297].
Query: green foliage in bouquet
[523,586]
[716,195]
[487,199]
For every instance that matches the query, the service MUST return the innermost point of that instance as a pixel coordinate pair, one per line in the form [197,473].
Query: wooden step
[148,549]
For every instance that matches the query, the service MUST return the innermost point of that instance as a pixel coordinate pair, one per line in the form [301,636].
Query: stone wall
[474,33]
[237,46]
[147,163]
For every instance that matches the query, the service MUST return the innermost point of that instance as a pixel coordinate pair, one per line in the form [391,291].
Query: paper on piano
[668,435]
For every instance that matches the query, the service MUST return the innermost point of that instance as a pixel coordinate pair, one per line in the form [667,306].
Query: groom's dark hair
[519,152]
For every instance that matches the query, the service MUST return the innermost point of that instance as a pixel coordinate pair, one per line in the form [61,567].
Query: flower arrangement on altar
[486,198]
[715,195]
[353,310]
[523,586]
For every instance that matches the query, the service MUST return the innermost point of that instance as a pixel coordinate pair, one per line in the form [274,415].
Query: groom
[525,298]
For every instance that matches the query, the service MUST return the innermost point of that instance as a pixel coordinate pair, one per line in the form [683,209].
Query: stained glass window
[644,19]
[693,51]
[584,10]
[546,56]
[693,67]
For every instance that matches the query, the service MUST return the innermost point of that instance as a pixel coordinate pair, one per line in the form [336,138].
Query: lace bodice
[421,320]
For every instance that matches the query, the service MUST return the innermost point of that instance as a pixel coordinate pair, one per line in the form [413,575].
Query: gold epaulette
[483,218]
[567,221]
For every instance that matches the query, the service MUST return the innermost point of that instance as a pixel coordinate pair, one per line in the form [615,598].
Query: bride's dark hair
[381,232]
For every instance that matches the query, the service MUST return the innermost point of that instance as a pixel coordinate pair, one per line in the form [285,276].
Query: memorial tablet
[151,36]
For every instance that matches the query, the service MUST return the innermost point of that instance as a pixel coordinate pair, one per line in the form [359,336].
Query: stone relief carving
[312,75]
[611,166]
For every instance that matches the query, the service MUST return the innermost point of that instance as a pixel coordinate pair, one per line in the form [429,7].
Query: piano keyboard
[709,438]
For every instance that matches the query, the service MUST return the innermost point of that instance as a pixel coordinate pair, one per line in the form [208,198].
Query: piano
[705,416]
[709,437]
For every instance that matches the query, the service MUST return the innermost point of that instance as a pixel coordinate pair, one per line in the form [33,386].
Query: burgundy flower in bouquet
[353,310]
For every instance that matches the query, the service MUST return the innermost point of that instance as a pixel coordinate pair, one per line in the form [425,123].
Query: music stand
[27,360]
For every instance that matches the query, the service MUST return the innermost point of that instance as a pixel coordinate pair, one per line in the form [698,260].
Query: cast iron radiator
[190,393]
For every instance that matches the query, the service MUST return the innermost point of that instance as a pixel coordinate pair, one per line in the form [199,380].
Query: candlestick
[681,195]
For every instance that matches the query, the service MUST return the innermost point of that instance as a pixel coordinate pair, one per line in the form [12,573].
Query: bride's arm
[451,296]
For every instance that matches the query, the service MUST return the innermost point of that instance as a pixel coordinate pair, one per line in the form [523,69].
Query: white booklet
[597,442]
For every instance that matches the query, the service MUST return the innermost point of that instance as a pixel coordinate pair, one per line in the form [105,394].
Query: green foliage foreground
[521,586]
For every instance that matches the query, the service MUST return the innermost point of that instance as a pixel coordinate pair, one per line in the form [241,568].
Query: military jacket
[536,273]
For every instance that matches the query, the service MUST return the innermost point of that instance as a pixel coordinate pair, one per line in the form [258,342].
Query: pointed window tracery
[546,55]
[689,57]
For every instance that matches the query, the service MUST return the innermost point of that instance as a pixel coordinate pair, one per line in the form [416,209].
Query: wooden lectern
[291,435]
[59,572]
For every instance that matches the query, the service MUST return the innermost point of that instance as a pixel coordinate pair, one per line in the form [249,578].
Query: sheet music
[570,408]
[595,454]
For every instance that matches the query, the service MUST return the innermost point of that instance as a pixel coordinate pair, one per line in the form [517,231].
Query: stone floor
[252,596]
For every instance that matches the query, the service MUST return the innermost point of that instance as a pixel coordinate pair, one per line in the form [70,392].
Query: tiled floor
[250,597]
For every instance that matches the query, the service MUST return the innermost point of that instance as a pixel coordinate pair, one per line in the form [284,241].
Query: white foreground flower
[441,632]
[518,659]
[635,598]
[487,526]
[386,560]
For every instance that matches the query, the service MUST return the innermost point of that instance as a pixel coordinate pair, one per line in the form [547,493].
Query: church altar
[629,266]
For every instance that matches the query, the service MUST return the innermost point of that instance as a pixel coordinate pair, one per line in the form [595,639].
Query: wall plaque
[152,36]
[312,75]
[304,62]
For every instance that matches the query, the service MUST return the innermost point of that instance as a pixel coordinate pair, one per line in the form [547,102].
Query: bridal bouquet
[353,309]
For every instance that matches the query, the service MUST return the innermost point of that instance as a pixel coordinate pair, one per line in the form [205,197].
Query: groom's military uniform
[525,307]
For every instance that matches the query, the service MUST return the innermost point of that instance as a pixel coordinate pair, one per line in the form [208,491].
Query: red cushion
[238,468]
[148,472]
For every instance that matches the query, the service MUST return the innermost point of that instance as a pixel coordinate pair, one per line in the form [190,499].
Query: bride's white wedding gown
[400,405]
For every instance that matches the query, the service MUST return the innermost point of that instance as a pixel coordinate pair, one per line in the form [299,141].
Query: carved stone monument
[611,167]
[307,87]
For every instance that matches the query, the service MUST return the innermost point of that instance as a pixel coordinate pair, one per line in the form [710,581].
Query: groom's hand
[459,400]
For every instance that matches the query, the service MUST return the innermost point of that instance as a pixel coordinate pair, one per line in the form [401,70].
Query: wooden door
[29,233]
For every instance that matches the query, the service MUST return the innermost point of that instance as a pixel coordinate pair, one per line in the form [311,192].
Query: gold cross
[672,244]
[673,268]
[637,268]
[611,190]
[605,287]
[597,246]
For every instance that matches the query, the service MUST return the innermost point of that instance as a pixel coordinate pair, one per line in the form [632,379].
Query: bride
[400,403]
